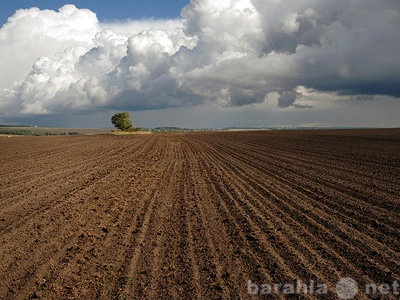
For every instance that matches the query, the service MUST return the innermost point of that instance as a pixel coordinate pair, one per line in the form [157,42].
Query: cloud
[131,27]
[287,99]
[232,52]
[32,33]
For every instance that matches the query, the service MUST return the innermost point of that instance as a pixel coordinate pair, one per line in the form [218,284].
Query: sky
[105,10]
[201,63]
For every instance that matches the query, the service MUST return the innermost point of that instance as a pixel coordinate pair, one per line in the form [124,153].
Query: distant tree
[122,121]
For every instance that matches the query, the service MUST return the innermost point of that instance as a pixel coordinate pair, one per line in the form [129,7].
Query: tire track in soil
[156,260]
[133,273]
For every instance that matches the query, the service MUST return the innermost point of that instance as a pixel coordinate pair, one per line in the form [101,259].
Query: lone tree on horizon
[122,121]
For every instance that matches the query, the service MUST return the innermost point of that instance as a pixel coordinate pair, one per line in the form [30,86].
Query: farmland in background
[47,131]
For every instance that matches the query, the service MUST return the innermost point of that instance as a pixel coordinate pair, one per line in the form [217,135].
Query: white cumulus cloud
[233,52]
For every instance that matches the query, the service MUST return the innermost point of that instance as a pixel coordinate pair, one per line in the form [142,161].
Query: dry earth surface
[198,215]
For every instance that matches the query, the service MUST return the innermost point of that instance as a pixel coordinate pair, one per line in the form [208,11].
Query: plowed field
[198,215]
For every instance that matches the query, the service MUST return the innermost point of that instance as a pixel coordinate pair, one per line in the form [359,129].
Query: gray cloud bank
[232,52]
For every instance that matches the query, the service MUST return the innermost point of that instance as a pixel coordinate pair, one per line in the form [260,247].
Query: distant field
[198,215]
[39,131]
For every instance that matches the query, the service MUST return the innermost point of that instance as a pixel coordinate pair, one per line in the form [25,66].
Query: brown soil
[197,215]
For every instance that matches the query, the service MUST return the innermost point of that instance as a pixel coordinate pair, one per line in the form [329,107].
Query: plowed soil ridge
[198,215]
